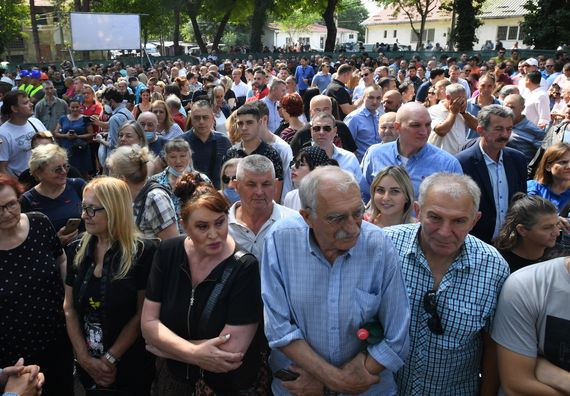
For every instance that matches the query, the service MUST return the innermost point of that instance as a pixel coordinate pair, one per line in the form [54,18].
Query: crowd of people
[305,226]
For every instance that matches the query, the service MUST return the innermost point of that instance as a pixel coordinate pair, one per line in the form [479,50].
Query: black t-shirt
[170,284]
[338,90]
[31,293]
[264,149]
[517,262]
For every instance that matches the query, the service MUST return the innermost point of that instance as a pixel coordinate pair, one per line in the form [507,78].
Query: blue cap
[24,73]
[35,74]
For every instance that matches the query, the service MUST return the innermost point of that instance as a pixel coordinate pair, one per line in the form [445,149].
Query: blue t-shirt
[79,126]
[560,200]
[60,209]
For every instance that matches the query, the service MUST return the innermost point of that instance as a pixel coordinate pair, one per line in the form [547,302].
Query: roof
[491,9]
[314,28]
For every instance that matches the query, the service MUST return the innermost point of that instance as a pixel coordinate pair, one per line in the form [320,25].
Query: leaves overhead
[546,24]
[12,13]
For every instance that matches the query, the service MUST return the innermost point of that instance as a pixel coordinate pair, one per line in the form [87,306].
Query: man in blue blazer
[499,171]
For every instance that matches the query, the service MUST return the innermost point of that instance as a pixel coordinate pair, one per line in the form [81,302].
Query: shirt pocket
[365,308]
[462,322]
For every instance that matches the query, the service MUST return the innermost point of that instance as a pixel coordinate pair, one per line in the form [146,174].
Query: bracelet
[112,359]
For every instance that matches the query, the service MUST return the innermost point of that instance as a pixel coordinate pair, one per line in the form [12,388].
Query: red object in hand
[362,334]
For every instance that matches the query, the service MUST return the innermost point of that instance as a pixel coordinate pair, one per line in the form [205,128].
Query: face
[320,105]
[454,74]
[372,100]
[389,197]
[202,120]
[367,76]
[145,96]
[54,172]
[248,126]
[514,105]
[543,233]
[230,172]
[256,190]
[391,102]
[179,160]
[323,132]
[387,131]
[25,108]
[259,80]
[219,97]
[560,169]
[236,76]
[149,123]
[128,136]
[160,113]
[299,169]
[336,223]
[446,220]
[49,90]
[291,85]
[414,129]
[75,107]
[497,135]
[96,225]
[10,208]
[278,91]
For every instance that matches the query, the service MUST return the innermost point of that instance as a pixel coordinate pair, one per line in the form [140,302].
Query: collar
[489,160]
[417,154]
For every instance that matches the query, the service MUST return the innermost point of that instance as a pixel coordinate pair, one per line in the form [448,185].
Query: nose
[445,229]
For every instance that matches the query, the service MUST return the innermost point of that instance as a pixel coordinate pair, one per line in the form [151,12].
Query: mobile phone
[72,225]
[286,375]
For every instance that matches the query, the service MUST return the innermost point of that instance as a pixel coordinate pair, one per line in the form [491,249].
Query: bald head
[407,110]
[392,100]
[148,121]
[516,103]
[319,104]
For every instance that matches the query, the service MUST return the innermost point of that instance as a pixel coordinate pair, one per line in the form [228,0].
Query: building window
[322,42]
[385,33]
[351,36]
[509,33]
[395,33]
[288,41]
[428,35]
[304,40]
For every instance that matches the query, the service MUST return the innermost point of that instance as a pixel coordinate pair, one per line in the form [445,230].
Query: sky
[371,6]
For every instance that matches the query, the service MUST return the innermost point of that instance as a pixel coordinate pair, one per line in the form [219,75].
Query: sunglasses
[317,128]
[431,93]
[430,306]
[226,179]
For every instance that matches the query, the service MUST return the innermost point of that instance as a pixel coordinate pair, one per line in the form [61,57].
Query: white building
[315,35]
[500,21]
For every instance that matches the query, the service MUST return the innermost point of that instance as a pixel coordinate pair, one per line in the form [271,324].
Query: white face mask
[107,109]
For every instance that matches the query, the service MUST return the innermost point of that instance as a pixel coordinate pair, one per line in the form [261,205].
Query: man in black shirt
[337,89]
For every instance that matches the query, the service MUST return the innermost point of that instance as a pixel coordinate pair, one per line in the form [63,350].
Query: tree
[414,10]
[258,21]
[546,24]
[12,13]
[297,21]
[328,16]
[464,22]
[350,15]
[35,32]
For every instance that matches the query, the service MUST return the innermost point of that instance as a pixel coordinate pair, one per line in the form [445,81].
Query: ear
[417,209]
[307,217]
[476,219]
[521,230]
[480,130]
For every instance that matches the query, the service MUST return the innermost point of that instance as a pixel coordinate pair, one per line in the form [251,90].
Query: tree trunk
[222,26]
[258,20]
[328,16]
[35,32]
[176,32]
[198,34]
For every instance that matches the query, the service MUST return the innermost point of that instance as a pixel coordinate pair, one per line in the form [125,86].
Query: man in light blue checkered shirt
[453,281]
[323,276]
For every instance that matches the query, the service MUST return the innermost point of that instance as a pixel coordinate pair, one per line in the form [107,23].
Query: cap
[7,80]
[531,62]
[44,76]
[35,74]
[24,73]
[316,156]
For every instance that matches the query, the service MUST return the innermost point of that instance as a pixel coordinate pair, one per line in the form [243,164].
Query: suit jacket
[473,164]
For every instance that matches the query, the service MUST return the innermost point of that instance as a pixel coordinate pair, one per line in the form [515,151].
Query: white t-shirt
[15,144]
[455,138]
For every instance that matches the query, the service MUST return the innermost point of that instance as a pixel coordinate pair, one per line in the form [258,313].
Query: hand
[564,224]
[16,369]
[99,369]
[305,385]
[211,358]
[354,377]
[455,106]
[24,380]
[66,238]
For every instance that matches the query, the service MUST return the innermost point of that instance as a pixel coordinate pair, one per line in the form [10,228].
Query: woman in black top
[531,226]
[104,292]
[32,265]
[220,348]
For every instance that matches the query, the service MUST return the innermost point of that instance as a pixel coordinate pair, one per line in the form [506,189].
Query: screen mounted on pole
[93,31]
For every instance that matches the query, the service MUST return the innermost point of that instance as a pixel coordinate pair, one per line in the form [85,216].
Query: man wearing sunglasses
[453,281]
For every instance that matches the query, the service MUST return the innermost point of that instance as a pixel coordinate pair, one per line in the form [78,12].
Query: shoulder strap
[217,291]
[33,126]
[141,197]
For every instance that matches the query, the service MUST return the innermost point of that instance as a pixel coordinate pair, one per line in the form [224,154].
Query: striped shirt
[467,296]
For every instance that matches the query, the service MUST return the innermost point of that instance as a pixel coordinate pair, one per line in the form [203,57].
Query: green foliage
[414,10]
[546,25]
[350,13]
[463,33]
[298,20]
[12,14]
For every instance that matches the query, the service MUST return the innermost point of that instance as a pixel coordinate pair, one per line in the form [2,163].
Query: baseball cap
[35,74]
[24,73]
[7,80]
[531,62]
[44,76]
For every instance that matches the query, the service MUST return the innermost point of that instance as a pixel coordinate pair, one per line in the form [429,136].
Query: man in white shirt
[239,87]
[537,104]
[529,65]
[251,218]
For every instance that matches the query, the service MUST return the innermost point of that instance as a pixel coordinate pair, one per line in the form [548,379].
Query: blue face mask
[175,173]
[149,136]
[231,194]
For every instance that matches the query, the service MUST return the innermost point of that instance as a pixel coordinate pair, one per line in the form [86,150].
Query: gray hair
[508,90]
[173,101]
[177,145]
[453,89]
[47,84]
[254,163]
[484,116]
[275,83]
[309,187]
[43,155]
[323,116]
[454,184]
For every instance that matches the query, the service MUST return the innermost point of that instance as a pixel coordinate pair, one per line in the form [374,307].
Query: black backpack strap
[217,291]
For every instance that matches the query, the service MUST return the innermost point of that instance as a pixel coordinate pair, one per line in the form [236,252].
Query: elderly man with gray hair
[450,120]
[251,218]
[323,277]
[453,281]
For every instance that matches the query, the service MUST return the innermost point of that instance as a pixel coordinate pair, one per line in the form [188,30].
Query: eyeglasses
[61,169]
[337,220]
[317,128]
[430,306]
[91,211]
[10,207]
[296,164]
[226,179]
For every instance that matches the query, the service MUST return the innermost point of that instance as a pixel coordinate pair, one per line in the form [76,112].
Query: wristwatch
[112,359]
